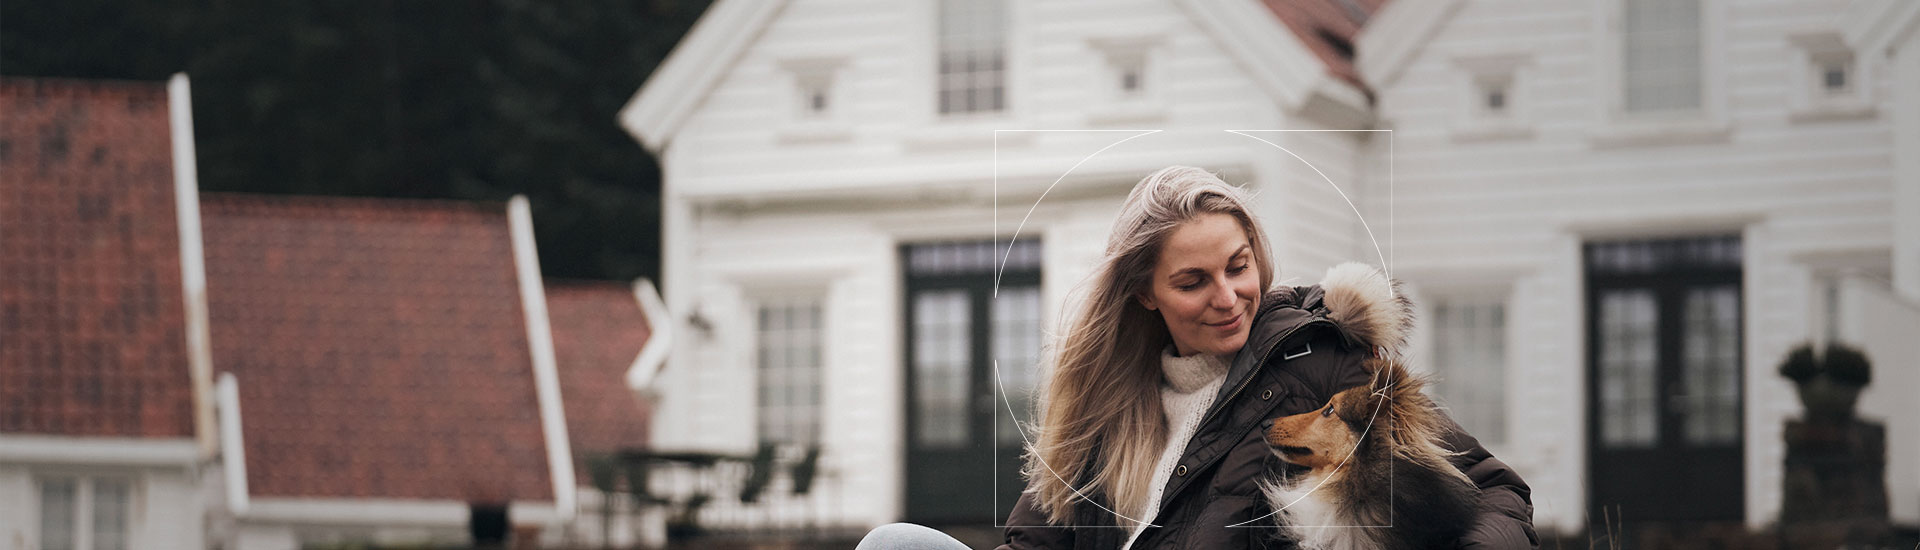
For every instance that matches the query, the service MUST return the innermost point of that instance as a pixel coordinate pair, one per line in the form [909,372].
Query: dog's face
[1317,441]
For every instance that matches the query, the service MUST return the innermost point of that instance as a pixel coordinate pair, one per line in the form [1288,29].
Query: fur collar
[1370,308]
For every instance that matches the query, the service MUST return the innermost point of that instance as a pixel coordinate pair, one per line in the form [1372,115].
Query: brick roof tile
[92,315]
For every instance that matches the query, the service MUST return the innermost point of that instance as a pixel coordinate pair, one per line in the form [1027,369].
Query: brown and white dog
[1369,470]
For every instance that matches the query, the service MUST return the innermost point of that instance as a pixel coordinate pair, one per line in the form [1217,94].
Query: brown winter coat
[1306,344]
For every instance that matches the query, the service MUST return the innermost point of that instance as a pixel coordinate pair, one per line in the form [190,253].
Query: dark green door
[963,447]
[1664,333]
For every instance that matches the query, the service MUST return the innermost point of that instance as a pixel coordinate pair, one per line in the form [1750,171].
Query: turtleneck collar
[1186,374]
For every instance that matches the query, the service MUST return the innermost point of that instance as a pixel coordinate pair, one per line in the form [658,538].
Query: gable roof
[599,330]
[1328,28]
[1395,34]
[1316,42]
[92,314]
[380,347]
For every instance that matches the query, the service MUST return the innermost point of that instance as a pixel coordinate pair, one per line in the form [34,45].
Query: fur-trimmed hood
[1368,307]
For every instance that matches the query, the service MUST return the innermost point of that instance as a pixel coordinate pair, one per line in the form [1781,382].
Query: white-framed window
[1493,106]
[1663,64]
[79,512]
[1828,82]
[972,57]
[1661,73]
[1470,359]
[815,100]
[1129,86]
[789,341]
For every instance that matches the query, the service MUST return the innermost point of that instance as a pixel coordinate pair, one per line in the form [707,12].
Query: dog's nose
[1266,425]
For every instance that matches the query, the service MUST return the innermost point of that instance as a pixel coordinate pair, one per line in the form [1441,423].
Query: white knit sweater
[1187,391]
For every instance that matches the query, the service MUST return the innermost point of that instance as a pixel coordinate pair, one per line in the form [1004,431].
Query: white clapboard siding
[1511,213]
[754,212]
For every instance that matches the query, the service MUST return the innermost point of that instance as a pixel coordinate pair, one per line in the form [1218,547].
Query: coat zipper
[1264,355]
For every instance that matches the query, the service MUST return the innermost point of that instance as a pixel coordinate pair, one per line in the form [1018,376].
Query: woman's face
[1205,285]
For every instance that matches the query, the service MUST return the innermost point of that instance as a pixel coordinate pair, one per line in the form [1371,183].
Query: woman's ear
[1146,301]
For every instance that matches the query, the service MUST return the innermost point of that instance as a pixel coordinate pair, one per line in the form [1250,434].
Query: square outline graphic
[1385,257]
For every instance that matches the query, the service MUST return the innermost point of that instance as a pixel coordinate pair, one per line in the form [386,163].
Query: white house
[868,203]
[1621,214]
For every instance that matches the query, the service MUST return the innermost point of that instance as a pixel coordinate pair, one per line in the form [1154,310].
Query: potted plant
[1829,383]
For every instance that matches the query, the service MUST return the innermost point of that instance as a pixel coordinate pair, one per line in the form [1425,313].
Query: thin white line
[1036,202]
[1336,189]
[997,382]
[1343,464]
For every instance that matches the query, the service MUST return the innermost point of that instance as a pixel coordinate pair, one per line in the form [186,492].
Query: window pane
[1662,61]
[56,514]
[1628,354]
[110,503]
[972,45]
[1470,354]
[1016,352]
[789,353]
[1711,366]
[941,354]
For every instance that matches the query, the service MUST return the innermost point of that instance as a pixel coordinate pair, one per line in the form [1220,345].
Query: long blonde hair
[1103,394]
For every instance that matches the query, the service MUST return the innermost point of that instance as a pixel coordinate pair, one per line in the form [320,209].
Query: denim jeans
[907,536]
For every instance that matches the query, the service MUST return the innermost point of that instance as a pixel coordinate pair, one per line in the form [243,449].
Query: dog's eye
[1327,411]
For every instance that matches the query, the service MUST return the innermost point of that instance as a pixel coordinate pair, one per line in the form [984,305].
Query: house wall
[760,206]
[166,511]
[1510,211]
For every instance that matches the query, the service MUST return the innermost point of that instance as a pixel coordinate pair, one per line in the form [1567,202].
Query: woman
[1148,429]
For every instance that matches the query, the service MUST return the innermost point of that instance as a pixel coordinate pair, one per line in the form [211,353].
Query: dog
[1369,470]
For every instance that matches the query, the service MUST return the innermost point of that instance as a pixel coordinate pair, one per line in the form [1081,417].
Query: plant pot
[1828,401]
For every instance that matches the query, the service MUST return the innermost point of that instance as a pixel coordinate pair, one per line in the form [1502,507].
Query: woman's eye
[1189,286]
[1238,270]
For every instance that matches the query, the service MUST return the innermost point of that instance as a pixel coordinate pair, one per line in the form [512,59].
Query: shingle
[92,321]
[379,345]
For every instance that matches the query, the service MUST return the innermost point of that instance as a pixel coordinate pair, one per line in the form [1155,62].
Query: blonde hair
[1103,393]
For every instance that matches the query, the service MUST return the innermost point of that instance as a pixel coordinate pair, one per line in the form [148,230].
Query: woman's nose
[1222,297]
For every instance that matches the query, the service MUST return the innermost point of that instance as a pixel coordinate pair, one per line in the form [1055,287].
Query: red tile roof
[1329,28]
[379,345]
[92,315]
[598,330]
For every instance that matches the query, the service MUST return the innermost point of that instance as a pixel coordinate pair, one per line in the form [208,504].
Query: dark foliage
[470,100]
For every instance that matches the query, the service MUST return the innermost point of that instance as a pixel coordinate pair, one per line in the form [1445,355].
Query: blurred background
[768,273]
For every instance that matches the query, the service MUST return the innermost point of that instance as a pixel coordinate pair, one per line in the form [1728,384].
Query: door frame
[1668,285]
[980,287]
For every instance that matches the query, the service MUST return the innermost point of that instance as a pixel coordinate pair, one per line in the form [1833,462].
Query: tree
[398,98]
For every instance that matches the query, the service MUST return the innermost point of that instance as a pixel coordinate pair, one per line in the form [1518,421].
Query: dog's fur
[1369,470]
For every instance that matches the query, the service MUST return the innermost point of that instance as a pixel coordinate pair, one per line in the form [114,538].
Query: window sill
[815,132]
[1653,133]
[1491,131]
[968,133]
[1832,111]
[1127,112]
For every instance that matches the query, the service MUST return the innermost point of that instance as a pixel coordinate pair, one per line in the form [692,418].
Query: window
[1471,359]
[1493,95]
[1828,82]
[790,336]
[1663,61]
[972,57]
[84,513]
[814,102]
[1833,76]
[1494,107]
[1132,70]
